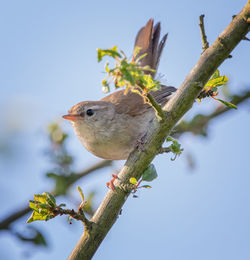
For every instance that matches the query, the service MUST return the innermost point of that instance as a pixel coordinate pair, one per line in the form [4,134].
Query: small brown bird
[111,127]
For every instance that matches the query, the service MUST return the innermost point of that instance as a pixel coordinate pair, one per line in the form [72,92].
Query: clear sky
[48,63]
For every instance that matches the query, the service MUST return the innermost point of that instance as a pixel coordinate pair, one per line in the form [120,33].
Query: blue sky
[48,63]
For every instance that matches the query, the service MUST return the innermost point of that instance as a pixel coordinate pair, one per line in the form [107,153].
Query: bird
[111,128]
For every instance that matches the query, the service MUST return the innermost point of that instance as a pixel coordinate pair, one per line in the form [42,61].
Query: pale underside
[114,134]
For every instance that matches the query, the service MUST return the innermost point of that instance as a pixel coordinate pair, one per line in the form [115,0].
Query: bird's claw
[140,142]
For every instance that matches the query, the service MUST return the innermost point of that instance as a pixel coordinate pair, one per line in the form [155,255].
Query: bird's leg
[110,184]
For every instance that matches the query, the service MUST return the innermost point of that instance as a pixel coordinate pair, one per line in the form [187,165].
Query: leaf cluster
[211,88]
[128,74]
[43,207]
[175,147]
[148,175]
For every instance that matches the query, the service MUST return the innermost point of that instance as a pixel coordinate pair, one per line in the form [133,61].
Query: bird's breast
[116,138]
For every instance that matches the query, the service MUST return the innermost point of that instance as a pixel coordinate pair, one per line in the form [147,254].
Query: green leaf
[81,192]
[40,198]
[170,139]
[150,173]
[37,216]
[133,181]
[216,74]
[50,199]
[228,104]
[109,52]
[155,87]
[105,86]
[62,205]
[107,67]
[123,54]
[148,68]
[175,147]
[136,51]
[127,76]
[120,83]
[216,82]
[146,186]
[140,57]
[42,206]
[136,91]
[33,205]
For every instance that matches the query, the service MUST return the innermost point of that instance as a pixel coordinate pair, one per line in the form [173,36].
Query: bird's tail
[147,40]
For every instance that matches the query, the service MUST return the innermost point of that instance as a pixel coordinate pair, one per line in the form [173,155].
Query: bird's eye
[90,112]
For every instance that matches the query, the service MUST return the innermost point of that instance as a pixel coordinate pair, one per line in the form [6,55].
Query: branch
[73,214]
[182,101]
[77,176]
[196,126]
[200,122]
[7,221]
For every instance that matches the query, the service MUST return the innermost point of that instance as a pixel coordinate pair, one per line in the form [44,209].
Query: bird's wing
[133,104]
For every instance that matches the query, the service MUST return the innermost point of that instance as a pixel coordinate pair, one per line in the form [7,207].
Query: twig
[97,166]
[73,214]
[205,43]
[200,122]
[7,221]
[152,102]
[156,106]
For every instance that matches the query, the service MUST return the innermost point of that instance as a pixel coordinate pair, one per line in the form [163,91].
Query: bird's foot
[140,142]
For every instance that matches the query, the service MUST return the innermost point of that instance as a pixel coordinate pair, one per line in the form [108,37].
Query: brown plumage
[110,128]
[148,40]
[133,104]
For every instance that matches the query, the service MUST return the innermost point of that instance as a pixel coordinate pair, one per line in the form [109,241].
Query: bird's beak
[72,117]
